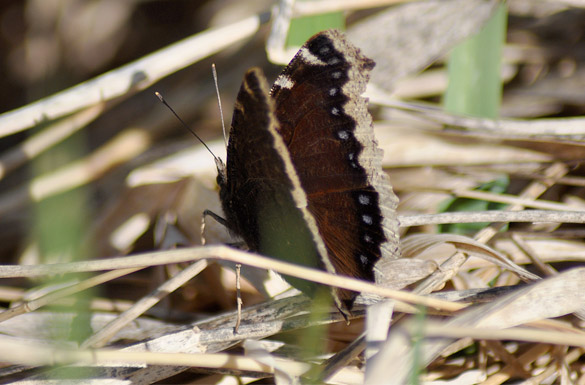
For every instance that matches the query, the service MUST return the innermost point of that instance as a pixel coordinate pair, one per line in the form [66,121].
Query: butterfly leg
[239,301]
[218,219]
[239,244]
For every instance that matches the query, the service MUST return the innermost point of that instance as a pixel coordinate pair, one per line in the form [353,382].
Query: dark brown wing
[326,126]
[260,192]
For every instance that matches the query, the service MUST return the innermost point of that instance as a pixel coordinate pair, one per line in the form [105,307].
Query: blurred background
[122,176]
[67,201]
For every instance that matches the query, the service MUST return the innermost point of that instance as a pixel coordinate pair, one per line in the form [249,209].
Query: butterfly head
[221,173]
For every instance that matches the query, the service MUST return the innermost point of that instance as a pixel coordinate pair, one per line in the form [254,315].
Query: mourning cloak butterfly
[303,181]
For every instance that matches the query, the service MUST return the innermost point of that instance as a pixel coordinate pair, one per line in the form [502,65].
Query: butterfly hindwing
[261,194]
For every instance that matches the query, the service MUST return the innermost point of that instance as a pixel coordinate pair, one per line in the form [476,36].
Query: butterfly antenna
[219,102]
[163,101]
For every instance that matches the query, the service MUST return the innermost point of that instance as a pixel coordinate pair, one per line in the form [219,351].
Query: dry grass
[98,183]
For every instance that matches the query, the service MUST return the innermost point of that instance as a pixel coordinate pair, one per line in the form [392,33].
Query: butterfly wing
[328,131]
[260,192]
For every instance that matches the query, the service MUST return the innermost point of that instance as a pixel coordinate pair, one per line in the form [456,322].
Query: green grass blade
[475,86]
[302,28]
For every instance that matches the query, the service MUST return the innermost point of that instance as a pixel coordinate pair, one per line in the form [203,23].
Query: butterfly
[303,180]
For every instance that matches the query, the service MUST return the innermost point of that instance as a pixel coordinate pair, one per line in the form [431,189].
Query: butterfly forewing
[326,126]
